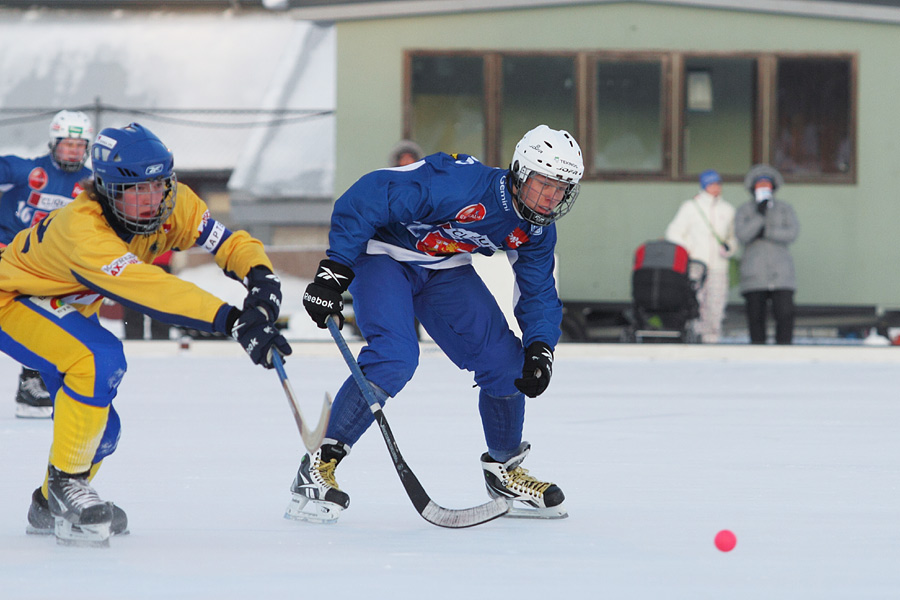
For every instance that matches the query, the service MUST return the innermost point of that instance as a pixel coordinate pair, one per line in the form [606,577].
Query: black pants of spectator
[134,322]
[757,303]
[134,326]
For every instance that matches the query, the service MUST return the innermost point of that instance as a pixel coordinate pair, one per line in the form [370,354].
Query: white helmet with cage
[75,125]
[555,157]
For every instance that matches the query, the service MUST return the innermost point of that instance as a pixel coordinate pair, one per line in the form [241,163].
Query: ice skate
[42,522]
[32,398]
[81,518]
[541,499]
[315,495]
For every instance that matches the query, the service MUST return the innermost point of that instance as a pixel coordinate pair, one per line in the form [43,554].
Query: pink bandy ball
[725,541]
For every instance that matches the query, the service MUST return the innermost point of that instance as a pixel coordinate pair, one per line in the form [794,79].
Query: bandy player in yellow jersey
[53,278]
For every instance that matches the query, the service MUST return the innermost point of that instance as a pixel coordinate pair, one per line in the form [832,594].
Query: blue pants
[460,314]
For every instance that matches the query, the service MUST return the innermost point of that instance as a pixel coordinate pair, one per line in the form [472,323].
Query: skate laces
[35,387]
[79,494]
[520,479]
[326,472]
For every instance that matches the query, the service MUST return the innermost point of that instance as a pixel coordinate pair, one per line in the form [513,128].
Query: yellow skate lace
[519,478]
[326,472]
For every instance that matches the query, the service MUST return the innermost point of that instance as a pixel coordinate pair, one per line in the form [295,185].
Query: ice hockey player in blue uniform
[401,241]
[29,189]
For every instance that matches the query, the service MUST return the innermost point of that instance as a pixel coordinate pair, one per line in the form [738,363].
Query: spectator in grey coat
[766,227]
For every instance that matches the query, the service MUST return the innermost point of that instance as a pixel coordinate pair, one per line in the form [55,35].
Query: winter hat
[405,147]
[709,177]
[761,171]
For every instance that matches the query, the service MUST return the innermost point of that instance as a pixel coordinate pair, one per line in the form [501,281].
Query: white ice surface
[797,453]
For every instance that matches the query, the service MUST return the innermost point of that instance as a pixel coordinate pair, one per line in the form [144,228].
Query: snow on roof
[165,66]
[341,10]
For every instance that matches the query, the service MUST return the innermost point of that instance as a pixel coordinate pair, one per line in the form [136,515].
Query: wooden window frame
[672,105]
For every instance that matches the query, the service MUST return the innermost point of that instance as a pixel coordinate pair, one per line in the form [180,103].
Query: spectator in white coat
[704,225]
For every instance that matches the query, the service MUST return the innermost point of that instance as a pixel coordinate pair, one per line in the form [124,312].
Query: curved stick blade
[311,439]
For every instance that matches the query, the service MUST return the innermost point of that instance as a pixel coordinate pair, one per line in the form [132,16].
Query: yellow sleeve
[109,268]
[123,271]
[236,252]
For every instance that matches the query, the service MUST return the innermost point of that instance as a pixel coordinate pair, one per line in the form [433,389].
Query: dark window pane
[628,117]
[536,90]
[448,103]
[812,132]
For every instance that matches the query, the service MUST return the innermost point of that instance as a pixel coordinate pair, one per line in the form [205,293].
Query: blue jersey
[437,212]
[31,188]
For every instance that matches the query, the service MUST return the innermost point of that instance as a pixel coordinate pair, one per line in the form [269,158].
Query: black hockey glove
[259,337]
[264,291]
[537,370]
[323,296]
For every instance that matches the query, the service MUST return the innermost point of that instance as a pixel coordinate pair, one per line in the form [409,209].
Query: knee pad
[110,365]
[391,370]
[110,440]
[499,367]
[94,379]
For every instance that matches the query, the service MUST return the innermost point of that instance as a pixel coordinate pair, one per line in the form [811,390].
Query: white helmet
[553,154]
[70,124]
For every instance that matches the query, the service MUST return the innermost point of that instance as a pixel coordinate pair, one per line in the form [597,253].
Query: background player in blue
[31,188]
[401,241]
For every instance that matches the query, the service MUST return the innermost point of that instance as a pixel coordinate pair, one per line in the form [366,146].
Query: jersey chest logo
[37,179]
[447,239]
[471,213]
[436,244]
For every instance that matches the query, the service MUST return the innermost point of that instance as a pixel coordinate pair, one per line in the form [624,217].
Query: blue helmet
[124,158]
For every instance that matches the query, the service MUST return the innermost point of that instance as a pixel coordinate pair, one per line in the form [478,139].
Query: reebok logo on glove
[258,337]
[323,296]
[327,274]
[544,361]
[536,371]
[264,291]
[320,301]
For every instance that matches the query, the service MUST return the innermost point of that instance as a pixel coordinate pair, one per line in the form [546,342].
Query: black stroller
[664,286]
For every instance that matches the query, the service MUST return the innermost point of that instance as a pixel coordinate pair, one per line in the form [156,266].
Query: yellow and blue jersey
[74,256]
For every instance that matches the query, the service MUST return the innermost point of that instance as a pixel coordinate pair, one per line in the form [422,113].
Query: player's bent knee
[95,377]
[110,440]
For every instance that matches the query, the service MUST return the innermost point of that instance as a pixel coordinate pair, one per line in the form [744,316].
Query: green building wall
[846,252]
